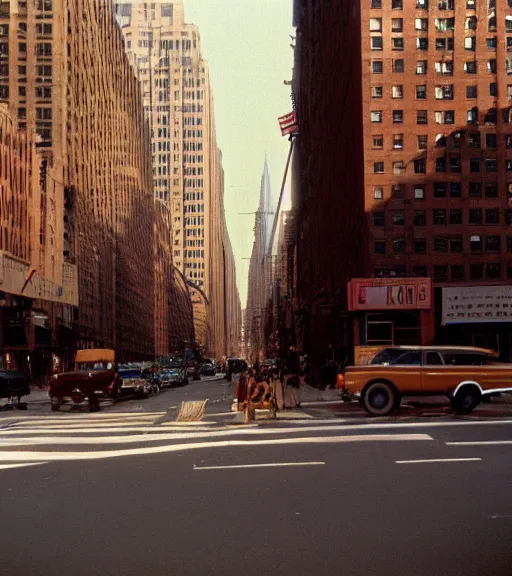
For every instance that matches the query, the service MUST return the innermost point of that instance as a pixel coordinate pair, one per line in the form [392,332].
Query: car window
[464,359]
[387,356]
[412,358]
[433,359]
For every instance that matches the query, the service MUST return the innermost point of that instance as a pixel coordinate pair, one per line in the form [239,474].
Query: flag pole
[276,216]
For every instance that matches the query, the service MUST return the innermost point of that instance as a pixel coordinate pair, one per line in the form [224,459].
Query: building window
[493,271]
[440,245]
[457,272]
[421,117]
[471,92]
[379,246]
[398,167]
[421,24]
[439,217]
[420,166]
[444,67]
[377,66]
[440,273]
[455,189]
[422,43]
[398,141]
[397,91]
[398,218]
[420,218]
[493,243]
[441,164]
[470,43]
[397,43]
[377,91]
[375,24]
[439,189]
[420,246]
[398,65]
[475,215]
[397,4]
[470,67]
[398,245]
[397,24]
[398,191]
[419,192]
[421,67]
[456,244]
[421,92]
[492,215]
[491,43]
[474,165]
[378,218]
[378,193]
[491,141]
[420,271]
[445,117]
[378,142]
[493,89]
[422,142]
[476,272]
[491,190]
[444,92]
[378,167]
[455,216]
[491,165]
[376,3]
[475,243]
[376,116]
[376,42]
[455,165]
[398,116]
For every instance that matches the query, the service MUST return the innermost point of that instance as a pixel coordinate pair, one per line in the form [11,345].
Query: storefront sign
[390,294]
[14,273]
[477,304]
[363,355]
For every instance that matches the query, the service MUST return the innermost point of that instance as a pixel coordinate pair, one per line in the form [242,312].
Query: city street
[133,492]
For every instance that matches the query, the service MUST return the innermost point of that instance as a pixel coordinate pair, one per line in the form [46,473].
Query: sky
[247,46]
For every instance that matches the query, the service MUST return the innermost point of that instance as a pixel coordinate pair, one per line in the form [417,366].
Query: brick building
[418,96]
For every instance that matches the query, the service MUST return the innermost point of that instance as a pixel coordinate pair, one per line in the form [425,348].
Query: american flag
[288,123]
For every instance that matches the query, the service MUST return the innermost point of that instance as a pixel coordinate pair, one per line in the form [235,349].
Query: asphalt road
[349,500]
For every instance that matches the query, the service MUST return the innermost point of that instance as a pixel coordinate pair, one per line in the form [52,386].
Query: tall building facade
[64,72]
[165,52]
[425,123]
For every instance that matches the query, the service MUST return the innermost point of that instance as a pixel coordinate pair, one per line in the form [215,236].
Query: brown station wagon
[465,375]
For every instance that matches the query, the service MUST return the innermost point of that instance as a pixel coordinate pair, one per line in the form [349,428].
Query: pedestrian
[292,380]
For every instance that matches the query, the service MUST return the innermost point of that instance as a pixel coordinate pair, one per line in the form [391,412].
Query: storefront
[390,312]
[477,316]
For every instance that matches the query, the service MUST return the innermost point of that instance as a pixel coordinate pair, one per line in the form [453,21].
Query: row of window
[443,217]
[445,116]
[472,139]
[475,242]
[194,243]
[441,92]
[440,24]
[193,208]
[444,67]
[442,190]
[444,273]
[195,265]
[442,163]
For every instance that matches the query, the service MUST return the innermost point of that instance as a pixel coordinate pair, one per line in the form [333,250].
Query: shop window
[457,272]
[493,271]
[397,328]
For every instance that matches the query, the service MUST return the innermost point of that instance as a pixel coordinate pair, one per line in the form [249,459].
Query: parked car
[133,383]
[208,369]
[465,375]
[193,370]
[172,377]
[94,376]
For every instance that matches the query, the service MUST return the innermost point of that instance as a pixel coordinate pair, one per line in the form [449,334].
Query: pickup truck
[466,375]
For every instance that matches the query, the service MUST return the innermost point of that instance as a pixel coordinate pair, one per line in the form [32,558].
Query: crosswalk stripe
[8,466]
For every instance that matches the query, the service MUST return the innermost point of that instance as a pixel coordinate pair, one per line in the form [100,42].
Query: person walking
[292,380]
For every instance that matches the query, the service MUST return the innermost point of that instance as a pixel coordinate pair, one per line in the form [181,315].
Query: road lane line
[480,443]
[269,465]
[436,460]
[8,466]
[29,456]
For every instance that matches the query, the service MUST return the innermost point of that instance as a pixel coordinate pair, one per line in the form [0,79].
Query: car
[466,375]
[208,369]
[193,370]
[132,382]
[172,377]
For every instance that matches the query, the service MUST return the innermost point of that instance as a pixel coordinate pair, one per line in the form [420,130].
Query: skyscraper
[166,55]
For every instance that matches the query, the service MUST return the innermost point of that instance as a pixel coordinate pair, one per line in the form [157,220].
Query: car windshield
[129,373]
[95,366]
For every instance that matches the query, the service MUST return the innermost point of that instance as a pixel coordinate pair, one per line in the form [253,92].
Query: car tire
[466,400]
[379,399]
[55,404]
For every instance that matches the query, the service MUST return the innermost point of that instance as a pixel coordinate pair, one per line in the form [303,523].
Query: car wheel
[466,400]
[379,399]
[55,404]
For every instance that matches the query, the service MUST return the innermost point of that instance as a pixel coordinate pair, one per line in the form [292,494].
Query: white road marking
[480,443]
[322,403]
[434,460]
[339,422]
[8,466]
[28,456]
[497,516]
[270,465]
[95,430]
